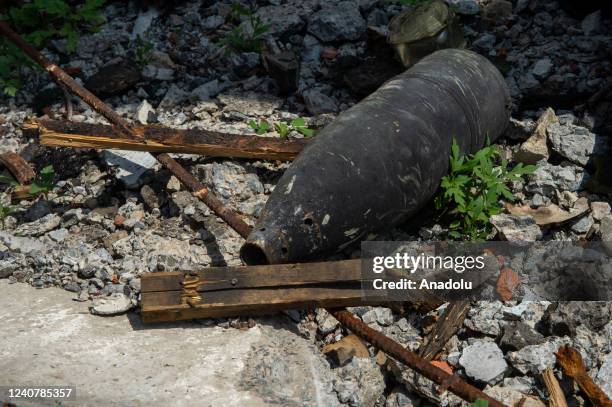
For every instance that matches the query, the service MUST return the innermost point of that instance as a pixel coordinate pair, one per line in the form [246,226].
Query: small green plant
[299,125]
[5,211]
[471,192]
[39,21]
[282,129]
[238,40]
[479,403]
[41,185]
[260,127]
[142,52]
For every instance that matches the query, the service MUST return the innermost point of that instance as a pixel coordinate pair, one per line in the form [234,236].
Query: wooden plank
[216,278]
[556,397]
[446,326]
[162,306]
[59,133]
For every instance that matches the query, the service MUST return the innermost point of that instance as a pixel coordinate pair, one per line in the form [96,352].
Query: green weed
[260,127]
[299,125]
[471,192]
[41,185]
[238,40]
[283,129]
[5,211]
[39,21]
[142,52]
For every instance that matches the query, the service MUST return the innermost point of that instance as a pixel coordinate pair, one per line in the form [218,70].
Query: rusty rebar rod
[233,218]
[412,360]
[18,167]
[63,79]
[571,362]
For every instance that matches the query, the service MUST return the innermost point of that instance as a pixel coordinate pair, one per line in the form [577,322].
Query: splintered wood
[233,291]
[59,133]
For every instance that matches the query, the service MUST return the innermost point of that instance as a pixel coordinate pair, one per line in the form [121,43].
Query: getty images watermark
[411,264]
[447,271]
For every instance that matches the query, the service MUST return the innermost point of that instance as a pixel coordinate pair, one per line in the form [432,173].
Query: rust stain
[507,283]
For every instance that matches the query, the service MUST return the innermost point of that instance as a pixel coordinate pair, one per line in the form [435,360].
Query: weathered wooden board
[255,290]
[218,278]
[162,139]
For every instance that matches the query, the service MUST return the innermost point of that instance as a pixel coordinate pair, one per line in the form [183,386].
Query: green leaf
[299,122]
[9,180]
[306,132]
[480,403]
[282,129]
[10,90]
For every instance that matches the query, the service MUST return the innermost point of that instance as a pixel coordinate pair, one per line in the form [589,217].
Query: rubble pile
[114,215]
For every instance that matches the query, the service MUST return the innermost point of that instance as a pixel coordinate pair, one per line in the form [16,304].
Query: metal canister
[418,31]
[382,160]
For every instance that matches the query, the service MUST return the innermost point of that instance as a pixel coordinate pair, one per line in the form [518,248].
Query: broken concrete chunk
[145,112]
[583,225]
[131,165]
[319,103]
[114,304]
[39,227]
[483,361]
[548,179]
[562,318]
[114,78]
[253,103]
[535,148]
[599,210]
[575,143]
[379,315]
[605,230]
[604,376]
[542,68]
[173,97]
[534,359]
[337,22]
[516,228]
[327,323]
[518,334]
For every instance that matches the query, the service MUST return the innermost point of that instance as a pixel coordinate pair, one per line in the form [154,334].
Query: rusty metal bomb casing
[382,160]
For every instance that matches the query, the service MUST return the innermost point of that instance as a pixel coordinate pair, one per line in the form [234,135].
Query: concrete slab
[47,339]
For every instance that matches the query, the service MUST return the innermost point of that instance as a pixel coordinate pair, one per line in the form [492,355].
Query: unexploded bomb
[380,161]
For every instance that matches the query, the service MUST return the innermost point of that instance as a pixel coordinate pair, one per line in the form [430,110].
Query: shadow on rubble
[278,321]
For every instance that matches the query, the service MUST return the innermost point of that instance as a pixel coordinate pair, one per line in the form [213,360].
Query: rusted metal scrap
[160,139]
[382,160]
[417,32]
[412,360]
[18,167]
[63,79]
[231,217]
[573,366]
[200,191]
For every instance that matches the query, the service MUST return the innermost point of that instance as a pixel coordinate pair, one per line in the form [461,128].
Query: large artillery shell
[379,162]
